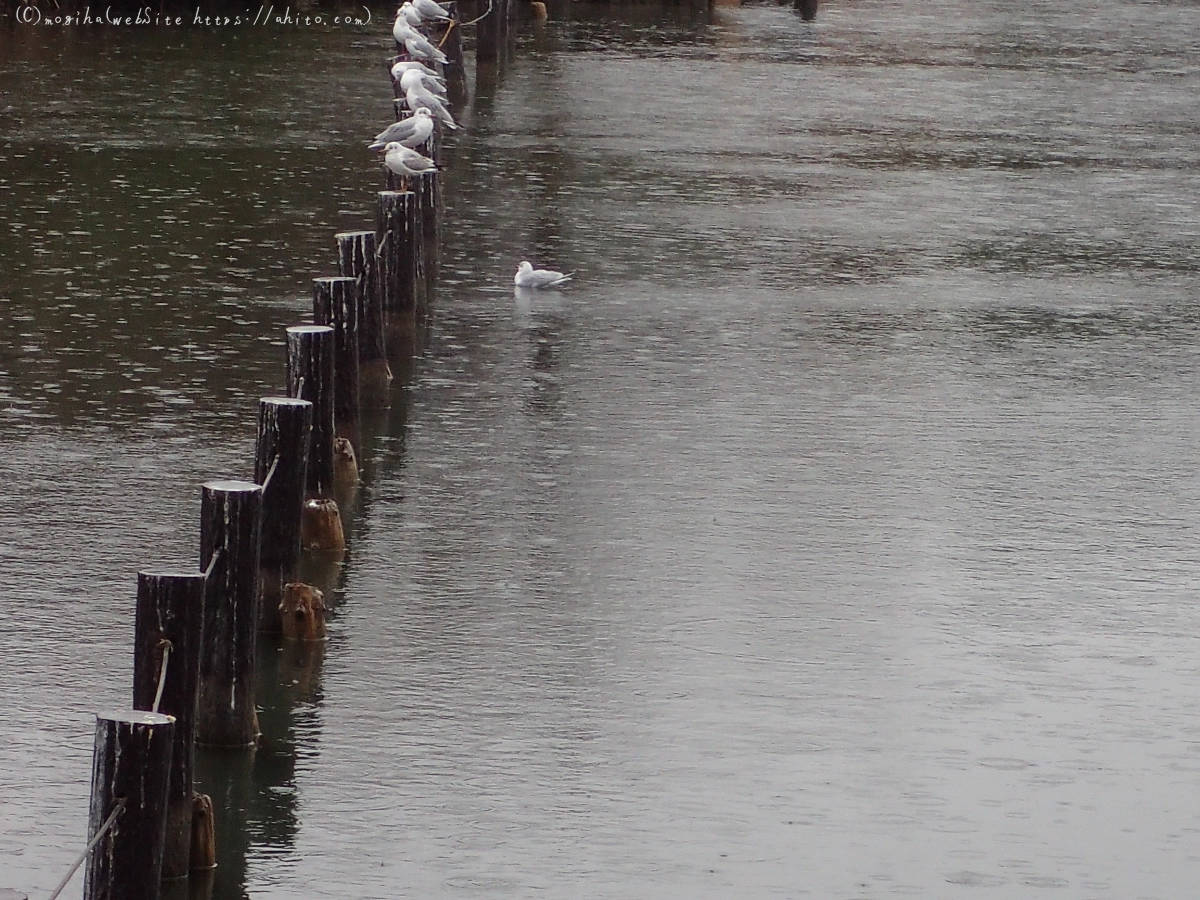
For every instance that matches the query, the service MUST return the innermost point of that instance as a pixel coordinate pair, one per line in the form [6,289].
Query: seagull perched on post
[415,43]
[408,162]
[411,132]
[416,77]
[529,277]
[430,9]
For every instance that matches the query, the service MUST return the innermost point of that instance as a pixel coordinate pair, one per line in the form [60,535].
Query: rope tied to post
[100,832]
[275,464]
[487,12]
[162,672]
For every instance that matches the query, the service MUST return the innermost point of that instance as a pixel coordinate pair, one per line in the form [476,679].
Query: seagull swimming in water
[411,132]
[529,277]
[408,162]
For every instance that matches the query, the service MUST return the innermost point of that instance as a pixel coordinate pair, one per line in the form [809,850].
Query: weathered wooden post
[335,303]
[230,529]
[429,199]
[448,35]
[488,32]
[395,237]
[807,9]
[168,622]
[281,467]
[356,259]
[310,376]
[131,768]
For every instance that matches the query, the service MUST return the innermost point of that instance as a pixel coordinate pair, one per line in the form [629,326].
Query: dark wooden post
[395,236]
[335,303]
[310,374]
[356,259]
[131,767]
[429,194]
[230,529]
[488,33]
[166,648]
[284,430]
[449,36]
[807,9]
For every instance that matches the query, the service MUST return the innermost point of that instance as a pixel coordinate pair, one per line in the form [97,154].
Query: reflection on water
[830,533]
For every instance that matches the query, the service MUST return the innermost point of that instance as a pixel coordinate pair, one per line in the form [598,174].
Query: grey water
[832,534]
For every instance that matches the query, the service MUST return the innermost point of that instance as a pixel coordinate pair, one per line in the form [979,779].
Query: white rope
[89,848]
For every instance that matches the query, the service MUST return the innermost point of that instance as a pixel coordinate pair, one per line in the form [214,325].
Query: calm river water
[832,535]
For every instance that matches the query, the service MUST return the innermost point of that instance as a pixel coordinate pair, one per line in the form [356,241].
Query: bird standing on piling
[408,162]
[418,97]
[430,9]
[406,65]
[411,132]
[435,86]
[529,277]
[415,43]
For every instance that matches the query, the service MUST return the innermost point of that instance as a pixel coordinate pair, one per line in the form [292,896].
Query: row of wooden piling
[196,631]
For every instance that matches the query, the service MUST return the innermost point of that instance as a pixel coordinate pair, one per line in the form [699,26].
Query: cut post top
[350,235]
[330,279]
[285,401]
[233,487]
[310,329]
[135,717]
[164,573]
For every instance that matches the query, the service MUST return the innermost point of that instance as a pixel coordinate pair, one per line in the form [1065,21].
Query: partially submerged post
[356,259]
[335,303]
[131,766]
[807,9]
[449,37]
[395,237]
[166,672]
[310,376]
[284,430]
[488,33]
[230,527]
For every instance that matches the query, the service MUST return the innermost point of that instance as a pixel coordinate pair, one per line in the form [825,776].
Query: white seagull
[411,132]
[415,76]
[408,162]
[406,65]
[418,96]
[415,43]
[430,9]
[410,15]
[529,277]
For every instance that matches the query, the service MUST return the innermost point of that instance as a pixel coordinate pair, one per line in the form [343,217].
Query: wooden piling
[448,36]
[284,431]
[302,611]
[395,238]
[807,9]
[230,528]
[488,33]
[310,374]
[168,622]
[428,202]
[356,259]
[131,767]
[335,303]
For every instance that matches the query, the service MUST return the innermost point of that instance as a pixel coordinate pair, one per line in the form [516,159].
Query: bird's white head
[525,266]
